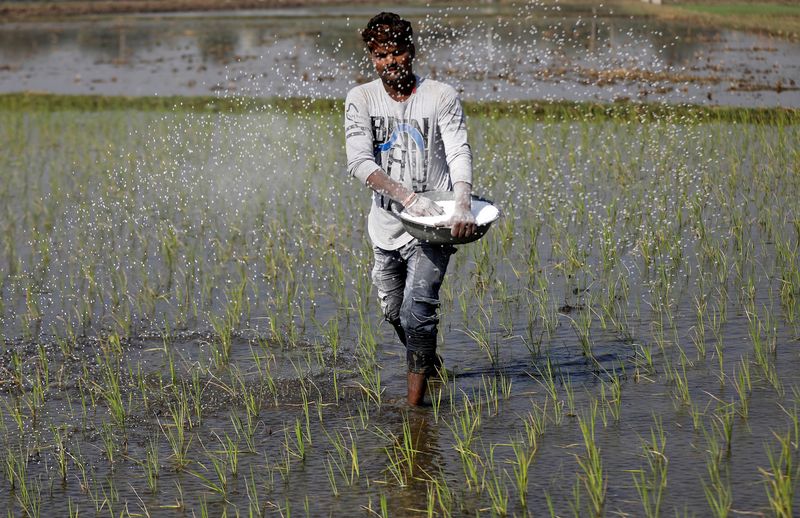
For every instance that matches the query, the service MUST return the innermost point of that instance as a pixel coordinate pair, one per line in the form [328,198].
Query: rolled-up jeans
[408,281]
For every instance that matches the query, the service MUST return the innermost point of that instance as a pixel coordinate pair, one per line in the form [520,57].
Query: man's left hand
[462,222]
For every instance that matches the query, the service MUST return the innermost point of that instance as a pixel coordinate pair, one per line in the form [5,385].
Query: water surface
[489,53]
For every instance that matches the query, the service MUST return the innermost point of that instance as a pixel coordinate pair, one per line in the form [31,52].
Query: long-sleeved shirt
[420,142]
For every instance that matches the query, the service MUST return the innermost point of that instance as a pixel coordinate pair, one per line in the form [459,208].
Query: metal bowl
[439,234]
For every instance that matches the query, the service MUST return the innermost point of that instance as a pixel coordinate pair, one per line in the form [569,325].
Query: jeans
[408,281]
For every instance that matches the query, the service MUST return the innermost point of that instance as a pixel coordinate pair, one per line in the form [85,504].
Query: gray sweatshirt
[421,143]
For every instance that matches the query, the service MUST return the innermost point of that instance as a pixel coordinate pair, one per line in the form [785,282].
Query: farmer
[406,135]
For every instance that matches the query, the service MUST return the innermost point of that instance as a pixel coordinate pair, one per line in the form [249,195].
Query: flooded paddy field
[190,328]
[185,298]
[490,52]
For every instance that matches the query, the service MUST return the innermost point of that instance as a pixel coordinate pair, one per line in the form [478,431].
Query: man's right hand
[422,206]
[415,205]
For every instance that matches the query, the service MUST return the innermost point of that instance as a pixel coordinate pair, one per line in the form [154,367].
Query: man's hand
[462,221]
[415,205]
[422,206]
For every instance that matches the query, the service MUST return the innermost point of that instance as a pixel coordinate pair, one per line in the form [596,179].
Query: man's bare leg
[416,388]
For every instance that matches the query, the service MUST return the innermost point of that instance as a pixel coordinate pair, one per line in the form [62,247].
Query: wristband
[410,199]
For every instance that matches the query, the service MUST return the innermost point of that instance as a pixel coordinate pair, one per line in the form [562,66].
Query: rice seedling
[177,437]
[592,475]
[346,459]
[219,484]
[221,347]
[612,402]
[543,306]
[651,481]
[331,477]
[362,407]
[267,375]
[197,389]
[436,391]
[743,386]
[254,506]
[681,392]
[498,492]
[112,392]
[109,443]
[490,394]
[152,467]
[230,450]
[483,337]
[644,360]
[402,453]
[549,384]
[15,468]
[717,488]
[779,478]
[294,442]
[523,457]
[699,331]
[505,386]
[245,430]
[371,387]
[535,425]
[249,396]
[464,427]
[722,425]
[28,497]
[569,395]
[79,463]
[582,325]
[60,452]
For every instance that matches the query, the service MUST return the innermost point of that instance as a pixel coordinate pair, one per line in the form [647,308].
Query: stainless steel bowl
[441,235]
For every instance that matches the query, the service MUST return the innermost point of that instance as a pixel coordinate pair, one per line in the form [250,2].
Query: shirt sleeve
[453,130]
[358,137]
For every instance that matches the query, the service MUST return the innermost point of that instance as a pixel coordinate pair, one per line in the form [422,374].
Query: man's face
[392,62]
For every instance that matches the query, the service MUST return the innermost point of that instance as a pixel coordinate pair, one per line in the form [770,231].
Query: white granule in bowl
[484,213]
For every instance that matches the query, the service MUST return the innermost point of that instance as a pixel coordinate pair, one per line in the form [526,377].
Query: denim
[408,281]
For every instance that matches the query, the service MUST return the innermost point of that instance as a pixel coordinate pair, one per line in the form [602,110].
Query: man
[406,135]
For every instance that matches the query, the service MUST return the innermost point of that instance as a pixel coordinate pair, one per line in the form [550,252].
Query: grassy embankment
[775,18]
[537,109]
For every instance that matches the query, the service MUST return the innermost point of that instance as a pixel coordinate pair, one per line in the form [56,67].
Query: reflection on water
[527,52]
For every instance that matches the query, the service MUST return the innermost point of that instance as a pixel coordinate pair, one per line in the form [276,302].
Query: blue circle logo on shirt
[416,136]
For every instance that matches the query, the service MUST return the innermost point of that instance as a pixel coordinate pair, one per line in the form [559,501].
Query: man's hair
[388,28]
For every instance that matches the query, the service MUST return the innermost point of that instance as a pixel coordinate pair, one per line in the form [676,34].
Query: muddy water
[490,53]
